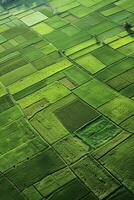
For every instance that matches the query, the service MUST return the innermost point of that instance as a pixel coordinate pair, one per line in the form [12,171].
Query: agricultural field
[66,100]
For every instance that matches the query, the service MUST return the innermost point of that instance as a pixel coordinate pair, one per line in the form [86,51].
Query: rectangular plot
[74,189]
[104,75]
[122,66]
[80,46]
[127,49]
[87,3]
[101,151]
[70,30]
[51,93]
[29,90]
[33,18]
[128,75]
[118,83]
[121,42]
[31,37]
[77,76]
[48,126]
[80,11]
[98,132]
[31,53]
[68,42]
[10,115]
[118,109]
[90,196]
[48,49]
[31,193]
[56,22]
[128,124]
[75,115]
[33,170]
[95,177]
[110,35]
[87,21]
[67,83]
[128,91]
[90,63]
[54,181]
[28,143]
[120,17]
[68,6]
[31,110]
[8,191]
[55,77]
[42,28]
[38,76]
[10,56]
[111,11]
[71,149]
[21,153]
[55,36]
[85,51]
[14,31]
[122,168]
[13,64]
[17,74]
[101,27]
[16,131]
[5,103]
[47,60]
[110,57]
[121,194]
[98,93]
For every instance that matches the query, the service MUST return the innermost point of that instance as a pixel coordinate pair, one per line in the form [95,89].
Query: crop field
[66,99]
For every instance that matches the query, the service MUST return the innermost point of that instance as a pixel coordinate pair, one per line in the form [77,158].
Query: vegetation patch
[98,132]
[95,177]
[98,93]
[75,115]
[115,162]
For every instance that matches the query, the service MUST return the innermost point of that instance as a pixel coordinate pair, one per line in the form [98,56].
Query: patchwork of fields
[67,100]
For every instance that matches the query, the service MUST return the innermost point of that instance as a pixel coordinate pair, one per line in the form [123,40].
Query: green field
[66,100]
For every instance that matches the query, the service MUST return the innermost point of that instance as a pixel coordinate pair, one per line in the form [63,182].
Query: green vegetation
[54,181]
[71,149]
[118,109]
[98,132]
[115,162]
[95,177]
[12,193]
[66,99]
[121,194]
[75,189]
[90,63]
[75,115]
[98,94]
[35,167]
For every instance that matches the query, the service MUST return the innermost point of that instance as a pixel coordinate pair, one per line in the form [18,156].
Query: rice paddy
[66,100]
